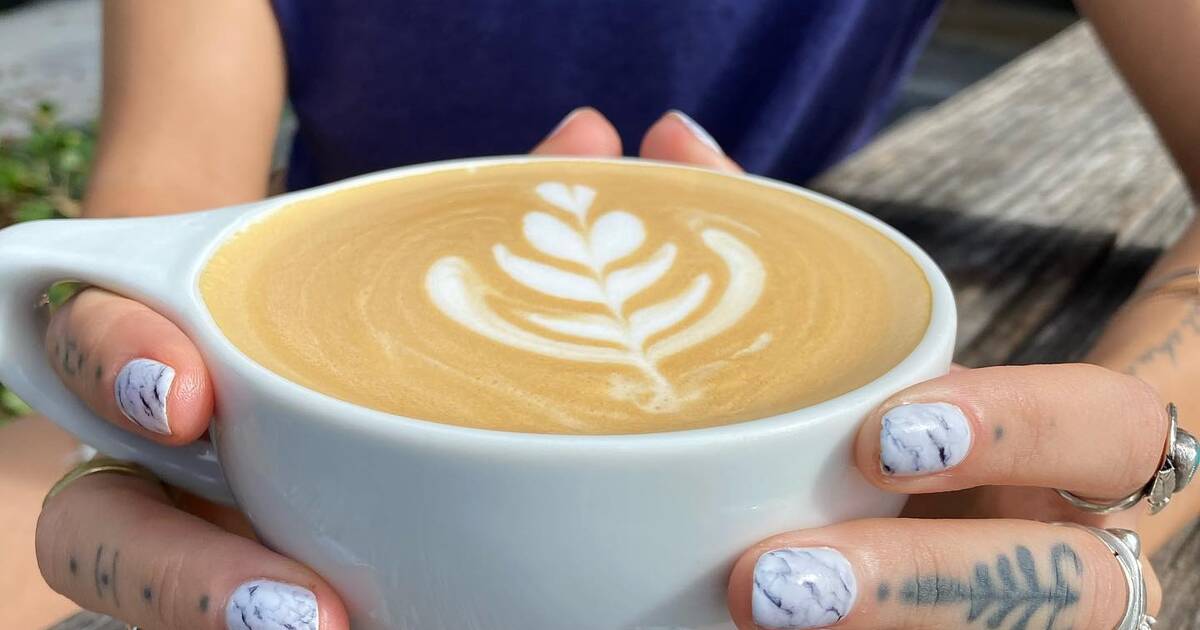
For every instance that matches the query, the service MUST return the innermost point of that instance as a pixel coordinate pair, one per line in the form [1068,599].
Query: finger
[152,565]
[131,366]
[1082,428]
[1154,594]
[899,573]
[583,132]
[677,138]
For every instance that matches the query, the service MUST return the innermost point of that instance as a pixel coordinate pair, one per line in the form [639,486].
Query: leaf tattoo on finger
[1013,596]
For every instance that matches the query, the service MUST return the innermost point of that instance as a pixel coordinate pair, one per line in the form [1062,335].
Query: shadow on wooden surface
[1057,281]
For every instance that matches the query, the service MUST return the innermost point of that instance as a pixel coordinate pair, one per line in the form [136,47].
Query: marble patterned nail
[923,438]
[270,605]
[699,132]
[141,390]
[802,588]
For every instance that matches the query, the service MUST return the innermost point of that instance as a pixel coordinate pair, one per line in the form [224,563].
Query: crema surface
[569,297]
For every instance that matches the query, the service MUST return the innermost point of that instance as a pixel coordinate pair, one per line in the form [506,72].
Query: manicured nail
[268,605]
[699,132]
[811,587]
[923,438]
[565,121]
[141,390]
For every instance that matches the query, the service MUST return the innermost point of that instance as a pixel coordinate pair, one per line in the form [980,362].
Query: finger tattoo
[113,583]
[96,572]
[1168,346]
[104,573]
[1000,595]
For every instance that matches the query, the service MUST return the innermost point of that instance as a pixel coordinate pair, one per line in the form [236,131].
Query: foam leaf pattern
[654,319]
[554,238]
[460,293]
[455,288]
[614,236]
[623,284]
[747,277]
[588,326]
[546,279]
[574,199]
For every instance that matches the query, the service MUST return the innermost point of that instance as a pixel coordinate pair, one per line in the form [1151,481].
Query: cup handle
[145,259]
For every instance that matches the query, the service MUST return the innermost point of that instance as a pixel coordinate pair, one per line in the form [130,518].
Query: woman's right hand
[119,544]
[160,558]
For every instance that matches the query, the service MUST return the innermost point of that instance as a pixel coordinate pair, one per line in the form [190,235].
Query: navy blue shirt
[786,86]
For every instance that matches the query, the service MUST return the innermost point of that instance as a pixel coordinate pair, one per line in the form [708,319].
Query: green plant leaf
[60,292]
[10,405]
[71,159]
[35,209]
[39,174]
[43,175]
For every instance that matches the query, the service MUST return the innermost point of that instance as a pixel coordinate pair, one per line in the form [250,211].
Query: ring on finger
[1175,471]
[96,465]
[1126,547]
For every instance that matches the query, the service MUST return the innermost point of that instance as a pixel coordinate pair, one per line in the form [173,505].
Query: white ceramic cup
[427,526]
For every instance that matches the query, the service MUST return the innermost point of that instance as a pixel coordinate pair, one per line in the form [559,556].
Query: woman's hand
[987,444]
[164,559]
[118,544]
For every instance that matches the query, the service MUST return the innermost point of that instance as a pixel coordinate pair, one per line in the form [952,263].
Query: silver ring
[1126,546]
[1175,471]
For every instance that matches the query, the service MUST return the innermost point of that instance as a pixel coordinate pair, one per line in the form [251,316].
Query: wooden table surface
[1045,195]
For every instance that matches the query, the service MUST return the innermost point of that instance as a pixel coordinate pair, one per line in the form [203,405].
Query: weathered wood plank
[1019,185]
[1178,565]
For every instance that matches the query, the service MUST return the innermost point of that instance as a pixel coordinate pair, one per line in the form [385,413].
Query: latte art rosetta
[616,336]
[564,296]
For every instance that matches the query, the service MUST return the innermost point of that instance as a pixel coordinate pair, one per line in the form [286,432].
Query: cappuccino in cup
[569,297]
[514,392]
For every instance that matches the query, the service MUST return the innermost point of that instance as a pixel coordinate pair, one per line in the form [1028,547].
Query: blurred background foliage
[42,176]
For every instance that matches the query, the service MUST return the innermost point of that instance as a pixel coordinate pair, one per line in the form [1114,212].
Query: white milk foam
[604,248]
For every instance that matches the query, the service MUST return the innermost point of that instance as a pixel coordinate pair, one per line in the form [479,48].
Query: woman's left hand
[989,445]
[982,451]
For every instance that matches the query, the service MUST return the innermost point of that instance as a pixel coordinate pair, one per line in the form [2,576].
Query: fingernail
[141,390]
[269,605]
[565,121]
[923,438]
[699,132]
[802,587]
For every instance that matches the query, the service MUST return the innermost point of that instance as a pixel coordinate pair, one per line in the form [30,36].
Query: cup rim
[939,333]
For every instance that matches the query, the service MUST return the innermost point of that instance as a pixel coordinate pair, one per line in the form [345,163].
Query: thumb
[583,132]
[131,365]
[678,138]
